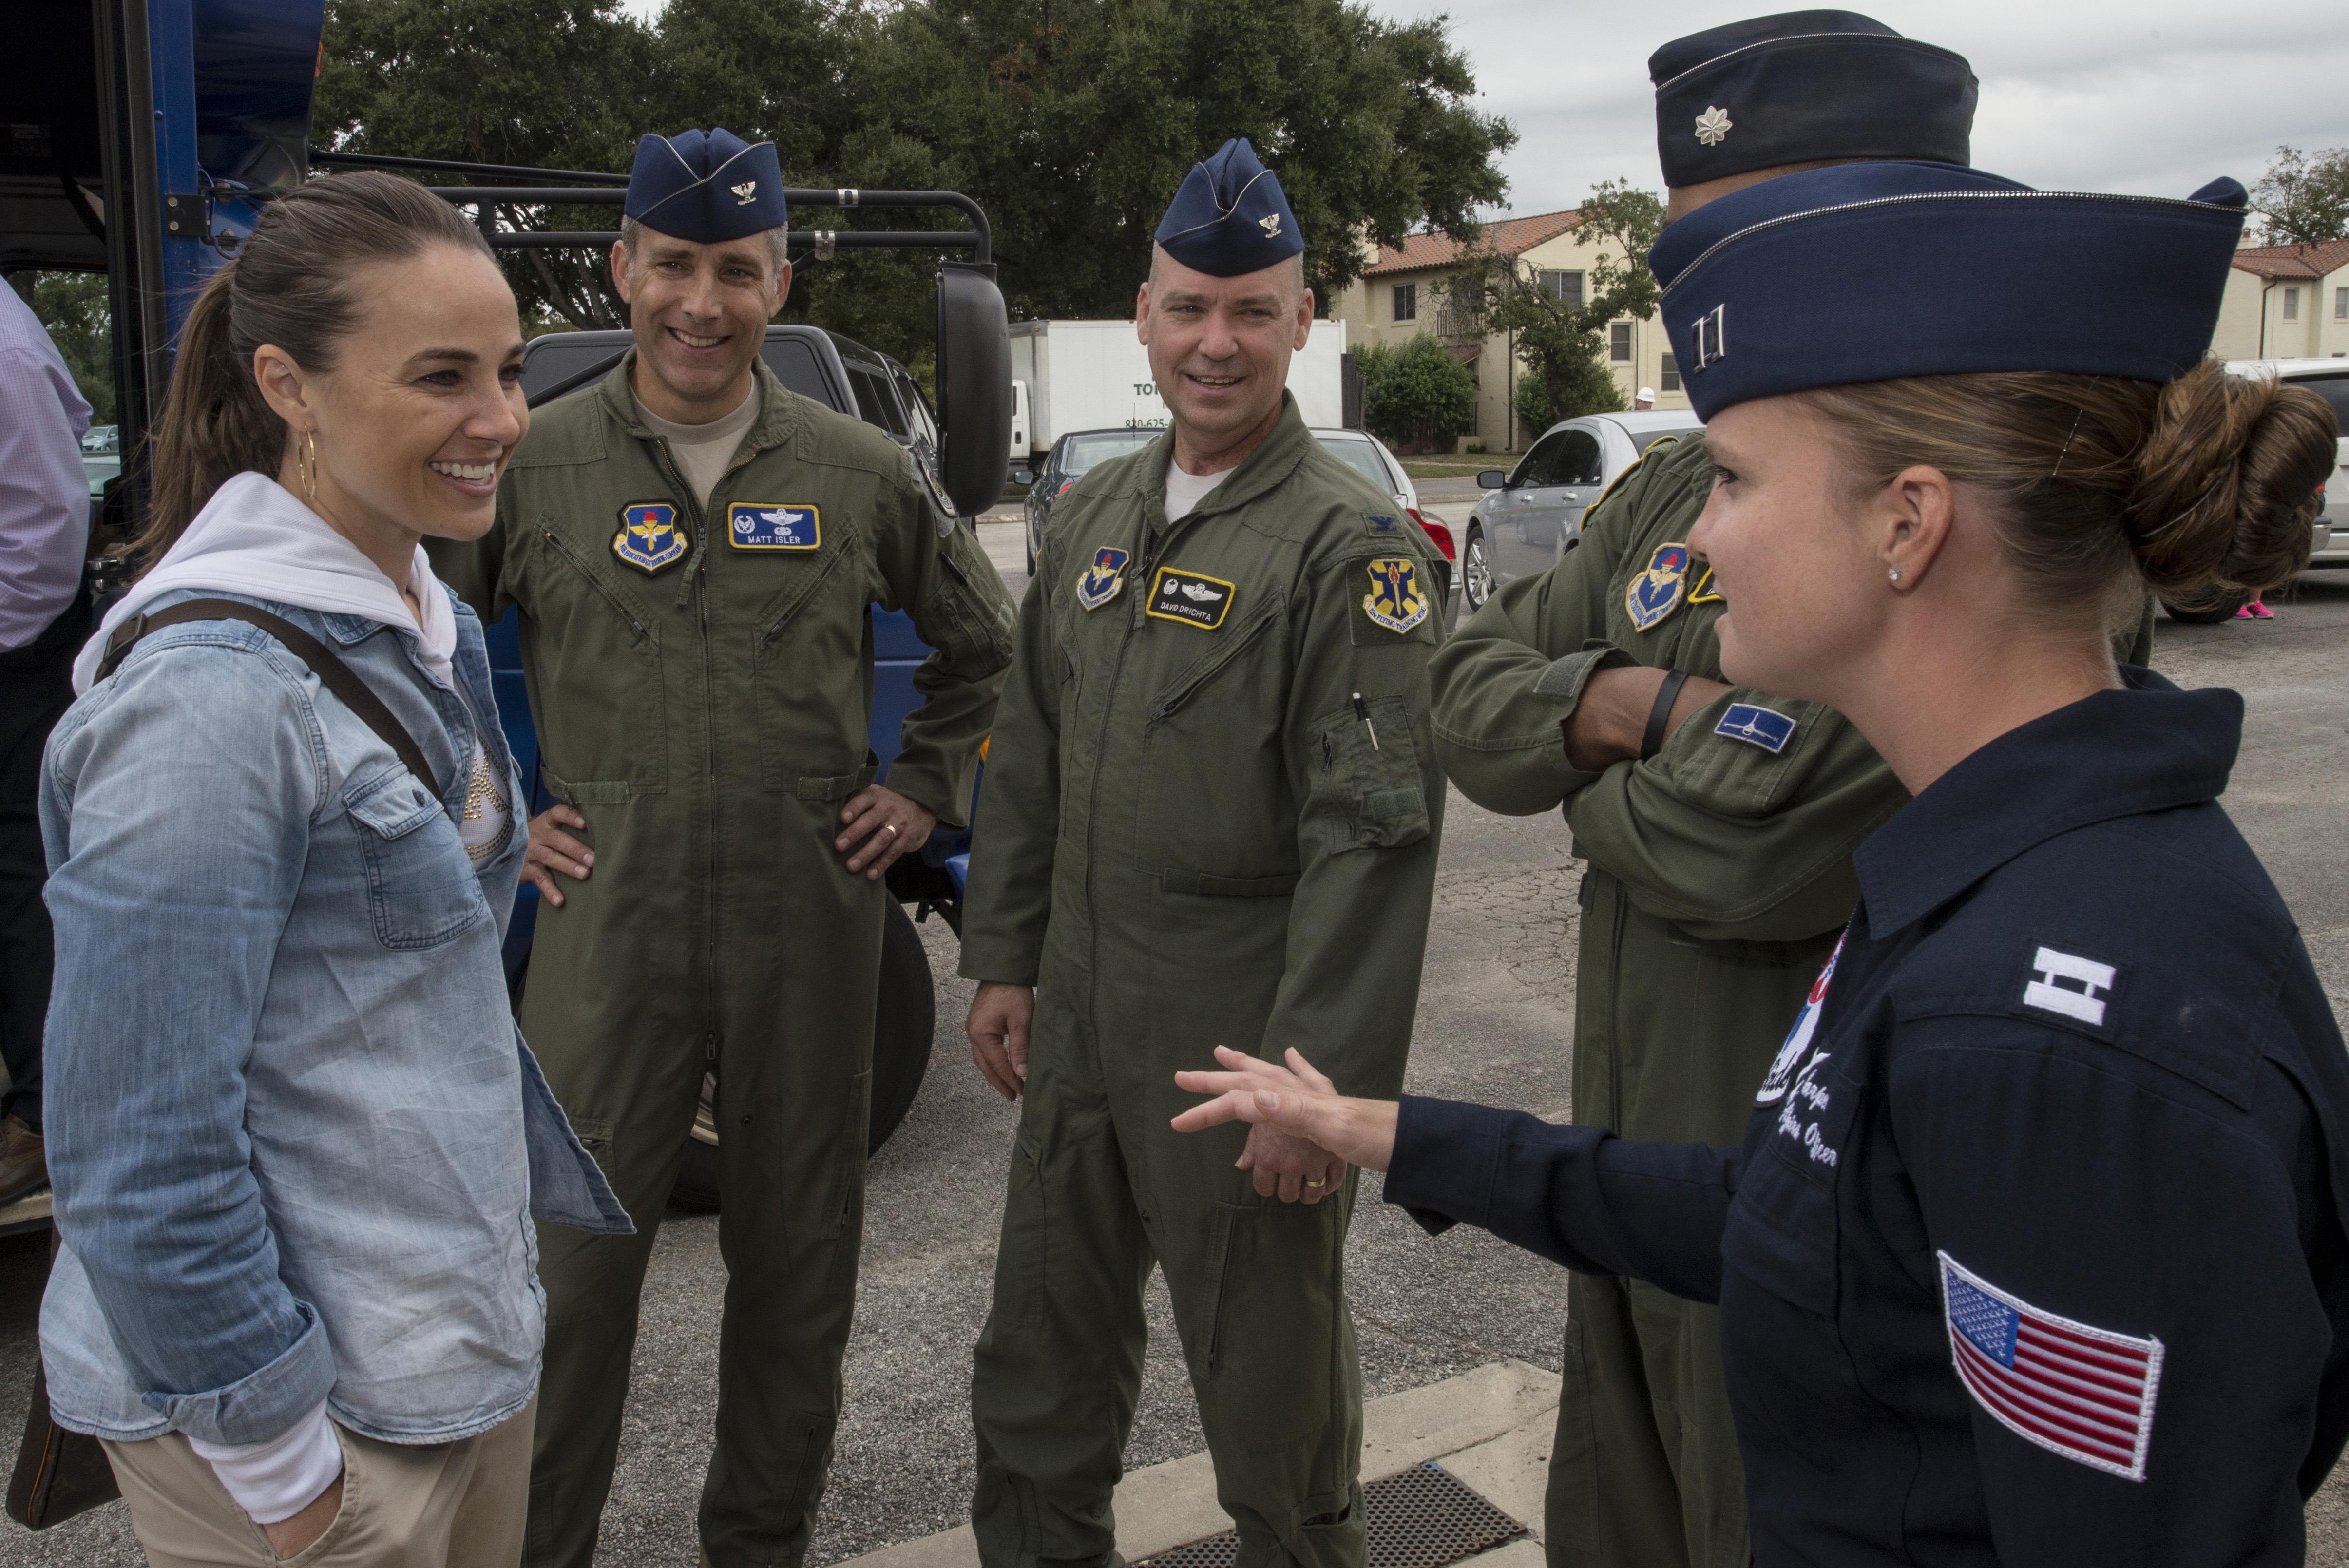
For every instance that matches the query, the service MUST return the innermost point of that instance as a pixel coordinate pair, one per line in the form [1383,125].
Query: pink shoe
[2244,613]
[2259,610]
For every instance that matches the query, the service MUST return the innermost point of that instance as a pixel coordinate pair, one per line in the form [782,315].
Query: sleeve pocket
[1367,795]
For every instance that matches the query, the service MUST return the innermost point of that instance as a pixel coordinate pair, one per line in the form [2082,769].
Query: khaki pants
[430,1505]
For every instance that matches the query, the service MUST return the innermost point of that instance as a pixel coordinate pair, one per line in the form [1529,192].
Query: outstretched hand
[1294,1099]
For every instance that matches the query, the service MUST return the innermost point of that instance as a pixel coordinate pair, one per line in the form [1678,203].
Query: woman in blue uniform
[2033,1253]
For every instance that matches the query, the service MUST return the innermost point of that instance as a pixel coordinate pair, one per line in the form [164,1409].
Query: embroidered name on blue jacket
[1763,727]
[763,525]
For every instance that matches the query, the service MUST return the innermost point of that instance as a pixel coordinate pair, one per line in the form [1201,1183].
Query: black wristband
[1660,716]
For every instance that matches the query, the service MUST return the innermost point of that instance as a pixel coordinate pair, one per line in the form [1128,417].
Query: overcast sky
[2153,96]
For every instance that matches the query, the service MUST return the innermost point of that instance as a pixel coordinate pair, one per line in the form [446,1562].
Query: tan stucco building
[1404,291]
[2286,302]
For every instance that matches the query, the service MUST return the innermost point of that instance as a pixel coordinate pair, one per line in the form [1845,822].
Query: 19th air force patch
[648,537]
[1656,592]
[1103,580]
[1190,598]
[1395,600]
[763,525]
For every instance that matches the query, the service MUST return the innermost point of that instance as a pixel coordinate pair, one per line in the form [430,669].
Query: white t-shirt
[1185,491]
[704,451]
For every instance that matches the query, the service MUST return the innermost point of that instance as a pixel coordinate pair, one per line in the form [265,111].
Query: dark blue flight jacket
[2034,1253]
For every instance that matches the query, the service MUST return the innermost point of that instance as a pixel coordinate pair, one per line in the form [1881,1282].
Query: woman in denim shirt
[295,1137]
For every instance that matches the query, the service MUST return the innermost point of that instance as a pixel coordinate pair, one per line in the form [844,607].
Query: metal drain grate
[1423,1518]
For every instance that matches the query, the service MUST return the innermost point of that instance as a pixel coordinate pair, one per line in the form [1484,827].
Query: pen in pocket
[1362,712]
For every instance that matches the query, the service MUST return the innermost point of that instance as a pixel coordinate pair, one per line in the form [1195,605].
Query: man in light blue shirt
[43,533]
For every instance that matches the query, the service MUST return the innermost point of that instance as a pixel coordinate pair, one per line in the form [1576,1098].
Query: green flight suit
[1719,874]
[708,717]
[1192,836]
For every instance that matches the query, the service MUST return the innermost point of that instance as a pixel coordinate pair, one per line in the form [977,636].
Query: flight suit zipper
[1135,621]
[682,493]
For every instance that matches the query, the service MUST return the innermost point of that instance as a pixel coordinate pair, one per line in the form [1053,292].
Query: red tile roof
[2293,260]
[1504,236]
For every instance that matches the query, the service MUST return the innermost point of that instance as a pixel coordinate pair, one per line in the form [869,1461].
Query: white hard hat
[1648,394]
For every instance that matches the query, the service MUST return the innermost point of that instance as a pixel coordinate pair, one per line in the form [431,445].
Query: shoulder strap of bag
[332,673]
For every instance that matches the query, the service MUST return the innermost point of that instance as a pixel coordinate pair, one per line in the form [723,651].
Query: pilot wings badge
[1103,580]
[648,537]
[1656,592]
[1395,600]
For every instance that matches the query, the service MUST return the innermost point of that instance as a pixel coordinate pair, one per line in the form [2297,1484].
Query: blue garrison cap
[1866,272]
[1230,216]
[1802,86]
[706,186]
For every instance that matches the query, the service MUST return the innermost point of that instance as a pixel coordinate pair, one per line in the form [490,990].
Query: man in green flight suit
[1211,817]
[1717,822]
[695,550]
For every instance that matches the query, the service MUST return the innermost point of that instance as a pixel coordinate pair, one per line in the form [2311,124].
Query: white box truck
[1095,374]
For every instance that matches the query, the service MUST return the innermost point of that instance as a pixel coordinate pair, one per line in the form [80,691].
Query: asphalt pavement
[1495,1020]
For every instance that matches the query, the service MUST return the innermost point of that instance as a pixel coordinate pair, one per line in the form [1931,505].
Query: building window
[1618,343]
[2341,304]
[1668,378]
[1566,288]
[2292,305]
[1406,302]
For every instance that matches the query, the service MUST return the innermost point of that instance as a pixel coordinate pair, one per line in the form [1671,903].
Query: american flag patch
[2084,1393]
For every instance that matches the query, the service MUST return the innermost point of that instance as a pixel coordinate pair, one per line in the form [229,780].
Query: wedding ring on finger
[1315,1181]
[892,827]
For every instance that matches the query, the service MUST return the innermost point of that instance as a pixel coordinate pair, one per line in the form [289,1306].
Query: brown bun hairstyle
[291,285]
[2107,487]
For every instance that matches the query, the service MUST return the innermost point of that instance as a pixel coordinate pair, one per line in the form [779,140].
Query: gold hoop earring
[308,461]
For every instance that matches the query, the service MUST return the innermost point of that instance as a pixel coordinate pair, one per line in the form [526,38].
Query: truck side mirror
[974,387]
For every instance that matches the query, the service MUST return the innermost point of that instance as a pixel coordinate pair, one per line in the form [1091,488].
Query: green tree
[1570,384]
[2304,199]
[1070,121]
[1074,121]
[1561,341]
[72,306]
[546,83]
[1418,396]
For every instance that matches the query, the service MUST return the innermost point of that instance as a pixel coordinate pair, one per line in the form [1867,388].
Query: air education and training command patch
[1103,580]
[648,537]
[765,525]
[1656,592]
[1395,600]
[1189,597]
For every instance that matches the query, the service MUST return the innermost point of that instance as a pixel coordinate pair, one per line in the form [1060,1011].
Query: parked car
[1533,516]
[102,437]
[1071,456]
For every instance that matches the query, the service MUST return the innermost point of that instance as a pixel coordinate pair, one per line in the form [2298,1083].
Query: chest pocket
[1215,813]
[602,712]
[1784,1226]
[421,890]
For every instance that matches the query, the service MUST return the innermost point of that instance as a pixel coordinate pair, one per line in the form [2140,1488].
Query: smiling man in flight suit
[696,550]
[1211,817]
